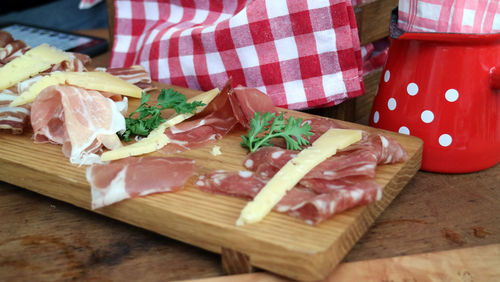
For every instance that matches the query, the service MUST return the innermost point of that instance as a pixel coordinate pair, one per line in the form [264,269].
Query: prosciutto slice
[81,120]
[229,109]
[136,177]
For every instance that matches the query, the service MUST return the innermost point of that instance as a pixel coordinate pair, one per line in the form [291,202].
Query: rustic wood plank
[234,262]
[467,264]
[373,19]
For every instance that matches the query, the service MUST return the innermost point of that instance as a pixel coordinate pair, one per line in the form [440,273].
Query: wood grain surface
[464,264]
[279,244]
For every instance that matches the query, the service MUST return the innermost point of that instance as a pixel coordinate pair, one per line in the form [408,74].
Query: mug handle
[495,77]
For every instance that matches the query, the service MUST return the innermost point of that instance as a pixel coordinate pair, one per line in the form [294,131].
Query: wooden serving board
[279,243]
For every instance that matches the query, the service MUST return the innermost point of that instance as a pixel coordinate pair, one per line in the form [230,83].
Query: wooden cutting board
[279,243]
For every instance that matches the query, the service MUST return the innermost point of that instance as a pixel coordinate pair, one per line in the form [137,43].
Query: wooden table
[44,239]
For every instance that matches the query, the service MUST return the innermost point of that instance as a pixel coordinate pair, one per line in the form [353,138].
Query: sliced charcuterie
[135,177]
[78,119]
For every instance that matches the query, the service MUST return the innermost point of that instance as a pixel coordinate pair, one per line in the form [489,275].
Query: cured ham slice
[136,75]
[246,101]
[13,119]
[78,119]
[12,50]
[136,177]
[312,206]
[226,111]
[267,161]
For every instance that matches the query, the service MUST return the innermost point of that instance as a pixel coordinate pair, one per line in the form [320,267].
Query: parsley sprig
[150,116]
[264,127]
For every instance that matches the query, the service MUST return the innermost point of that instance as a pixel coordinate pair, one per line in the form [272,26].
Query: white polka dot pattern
[445,140]
[404,130]
[391,104]
[451,95]
[376,117]
[412,89]
[387,75]
[427,116]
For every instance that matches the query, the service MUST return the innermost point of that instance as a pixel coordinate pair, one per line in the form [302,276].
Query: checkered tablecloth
[303,54]
[457,16]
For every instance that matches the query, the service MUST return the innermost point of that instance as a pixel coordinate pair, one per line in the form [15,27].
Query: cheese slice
[33,62]
[294,170]
[157,138]
[96,80]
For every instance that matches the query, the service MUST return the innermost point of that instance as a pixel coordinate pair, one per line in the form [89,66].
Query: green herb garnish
[265,126]
[150,116]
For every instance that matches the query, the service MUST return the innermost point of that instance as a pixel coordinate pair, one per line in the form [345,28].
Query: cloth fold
[303,54]
[449,16]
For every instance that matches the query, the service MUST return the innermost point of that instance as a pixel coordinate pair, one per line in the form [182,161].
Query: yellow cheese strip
[294,170]
[100,81]
[156,138]
[31,63]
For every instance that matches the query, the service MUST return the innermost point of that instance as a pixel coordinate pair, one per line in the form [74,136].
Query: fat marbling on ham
[137,176]
[81,120]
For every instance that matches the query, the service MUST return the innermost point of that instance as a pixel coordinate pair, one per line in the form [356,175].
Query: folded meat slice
[135,177]
[229,109]
[81,120]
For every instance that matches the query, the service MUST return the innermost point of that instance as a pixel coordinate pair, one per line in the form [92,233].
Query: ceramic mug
[445,89]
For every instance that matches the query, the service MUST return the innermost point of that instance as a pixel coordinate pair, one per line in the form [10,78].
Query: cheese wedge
[96,80]
[294,170]
[157,138]
[31,63]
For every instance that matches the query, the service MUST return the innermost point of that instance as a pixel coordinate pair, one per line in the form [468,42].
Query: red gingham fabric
[303,54]
[457,16]
[87,4]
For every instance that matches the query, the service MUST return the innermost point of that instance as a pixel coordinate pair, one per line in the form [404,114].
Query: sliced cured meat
[322,206]
[76,62]
[135,177]
[136,75]
[222,114]
[12,50]
[5,38]
[267,161]
[321,186]
[13,119]
[76,118]
[311,205]
[246,101]
[219,182]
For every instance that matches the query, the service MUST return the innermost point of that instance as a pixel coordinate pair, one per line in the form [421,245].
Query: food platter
[279,243]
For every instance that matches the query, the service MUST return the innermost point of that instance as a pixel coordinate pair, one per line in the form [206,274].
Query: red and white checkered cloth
[457,16]
[303,54]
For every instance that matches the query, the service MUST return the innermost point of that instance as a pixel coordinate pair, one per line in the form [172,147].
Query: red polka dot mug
[444,89]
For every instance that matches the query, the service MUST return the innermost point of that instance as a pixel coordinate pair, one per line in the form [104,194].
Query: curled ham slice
[135,177]
[81,120]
